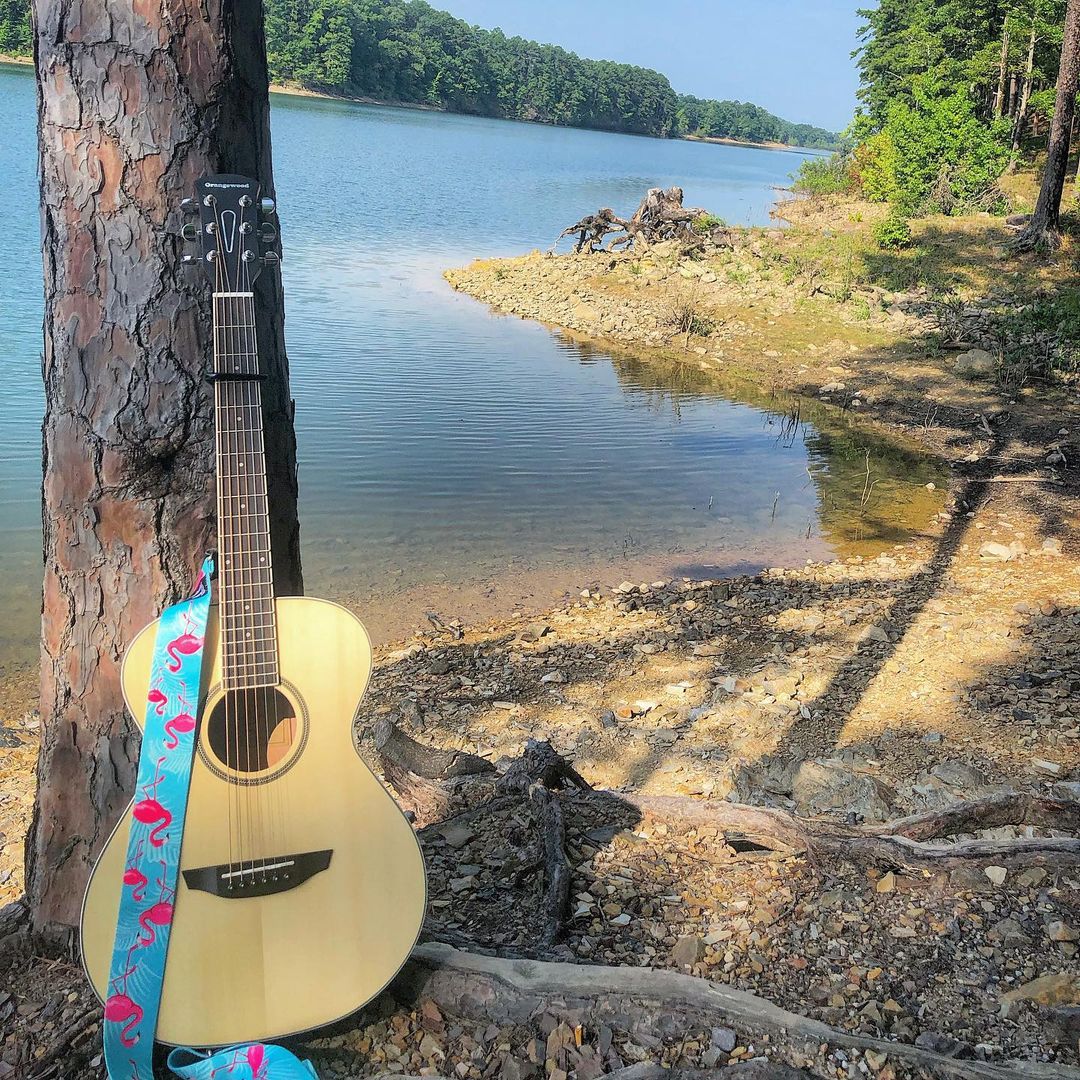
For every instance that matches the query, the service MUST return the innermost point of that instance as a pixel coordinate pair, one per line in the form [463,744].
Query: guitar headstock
[234,237]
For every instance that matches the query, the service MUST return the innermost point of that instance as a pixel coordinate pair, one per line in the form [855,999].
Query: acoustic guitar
[302,888]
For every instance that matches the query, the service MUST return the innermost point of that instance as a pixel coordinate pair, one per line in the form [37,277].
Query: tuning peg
[190,260]
[271,258]
[189,206]
[267,233]
[189,231]
[267,205]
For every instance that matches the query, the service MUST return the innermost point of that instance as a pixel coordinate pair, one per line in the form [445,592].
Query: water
[449,458]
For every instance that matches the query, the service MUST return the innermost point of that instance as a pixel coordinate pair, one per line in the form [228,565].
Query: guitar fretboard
[245,572]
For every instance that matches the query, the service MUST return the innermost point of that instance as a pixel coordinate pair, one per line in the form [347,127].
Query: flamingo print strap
[157,828]
[153,865]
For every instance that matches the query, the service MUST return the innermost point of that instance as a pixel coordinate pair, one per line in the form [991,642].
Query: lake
[450,459]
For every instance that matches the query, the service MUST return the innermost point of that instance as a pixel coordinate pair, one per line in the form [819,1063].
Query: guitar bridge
[257,877]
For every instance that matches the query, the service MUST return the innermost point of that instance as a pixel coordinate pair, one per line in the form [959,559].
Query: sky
[792,57]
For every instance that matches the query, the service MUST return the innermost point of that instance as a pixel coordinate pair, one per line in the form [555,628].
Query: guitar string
[258,536]
[220,443]
[269,616]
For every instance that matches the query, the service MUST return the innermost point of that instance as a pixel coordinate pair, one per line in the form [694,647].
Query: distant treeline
[408,51]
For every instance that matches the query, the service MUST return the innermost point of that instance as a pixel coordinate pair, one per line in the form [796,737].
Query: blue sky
[793,57]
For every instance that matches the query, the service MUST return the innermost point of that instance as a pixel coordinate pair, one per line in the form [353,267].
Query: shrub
[893,231]
[825,175]
[707,223]
[932,155]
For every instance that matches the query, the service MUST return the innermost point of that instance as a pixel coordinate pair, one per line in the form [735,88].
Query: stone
[946,1045]
[996,552]
[1062,988]
[1051,768]
[824,784]
[1063,1025]
[723,1038]
[1056,930]
[974,362]
[456,835]
[886,883]
[997,874]
[688,951]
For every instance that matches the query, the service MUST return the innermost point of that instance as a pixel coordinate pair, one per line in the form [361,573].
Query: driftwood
[661,1004]
[660,216]
[424,776]
[902,843]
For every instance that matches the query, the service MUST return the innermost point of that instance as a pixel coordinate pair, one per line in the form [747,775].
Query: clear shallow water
[450,458]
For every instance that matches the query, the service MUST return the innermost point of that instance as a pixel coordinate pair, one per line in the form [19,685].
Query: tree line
[408,51]
[953,93]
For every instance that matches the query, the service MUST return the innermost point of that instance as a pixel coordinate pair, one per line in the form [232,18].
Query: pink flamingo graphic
[254,1055]
[160,915]
[148,811]
[182,723]
[186,644]
[137,879]
[120,1008]
[156,697]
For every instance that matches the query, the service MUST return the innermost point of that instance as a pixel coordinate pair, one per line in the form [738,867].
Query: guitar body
[295,944]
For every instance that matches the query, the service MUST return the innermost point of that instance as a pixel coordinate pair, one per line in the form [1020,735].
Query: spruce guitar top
[302,886]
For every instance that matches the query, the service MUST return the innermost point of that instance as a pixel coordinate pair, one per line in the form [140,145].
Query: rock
[1055,457]
[974,362]
[1060,989]
[997,874]
[1056,930]
[996,552]
[688,951]
[886,883]
[1008,933]
[875,1060]
[1067,789]
[534,632]
[824,784]
[555,677]
[932,738]
[1063,1025]
[456,835]
[723,1038]
[1051,768]
[945,1045]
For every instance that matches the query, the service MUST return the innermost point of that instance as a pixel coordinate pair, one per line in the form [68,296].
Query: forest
[407,51]
[953,94]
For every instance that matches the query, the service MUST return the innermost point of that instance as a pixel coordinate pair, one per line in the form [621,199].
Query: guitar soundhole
[250,731]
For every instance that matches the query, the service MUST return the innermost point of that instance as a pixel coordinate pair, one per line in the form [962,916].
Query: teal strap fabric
[153,863]
[253,1061]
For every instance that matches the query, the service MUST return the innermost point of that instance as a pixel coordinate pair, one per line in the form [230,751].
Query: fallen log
[662,1004]
[892,843]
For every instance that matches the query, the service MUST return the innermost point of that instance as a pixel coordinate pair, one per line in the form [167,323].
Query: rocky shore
[940,674]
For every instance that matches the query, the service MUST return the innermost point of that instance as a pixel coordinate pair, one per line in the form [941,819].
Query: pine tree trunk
[999,97]
[1044,228]
[1025,95]
[135,102]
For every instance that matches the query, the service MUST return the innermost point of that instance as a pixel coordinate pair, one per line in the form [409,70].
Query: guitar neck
[245,573]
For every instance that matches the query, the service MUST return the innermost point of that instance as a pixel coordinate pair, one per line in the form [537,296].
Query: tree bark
[135,102]
[1044,228]
[1025,94]
[999,97]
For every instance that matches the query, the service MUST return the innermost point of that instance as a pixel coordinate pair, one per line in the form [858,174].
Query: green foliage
[707,223]
[825,175]
[746,122]
[893,231]
[933,154]
[15,39]
[408,51]
[942,86]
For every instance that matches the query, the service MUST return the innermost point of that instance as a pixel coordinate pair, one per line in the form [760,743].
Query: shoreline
[295,90]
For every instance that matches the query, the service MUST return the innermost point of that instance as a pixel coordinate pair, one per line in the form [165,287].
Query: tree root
[901,843]
[660,1003]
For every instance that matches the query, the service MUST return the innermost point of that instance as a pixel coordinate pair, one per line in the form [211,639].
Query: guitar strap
[152,866]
